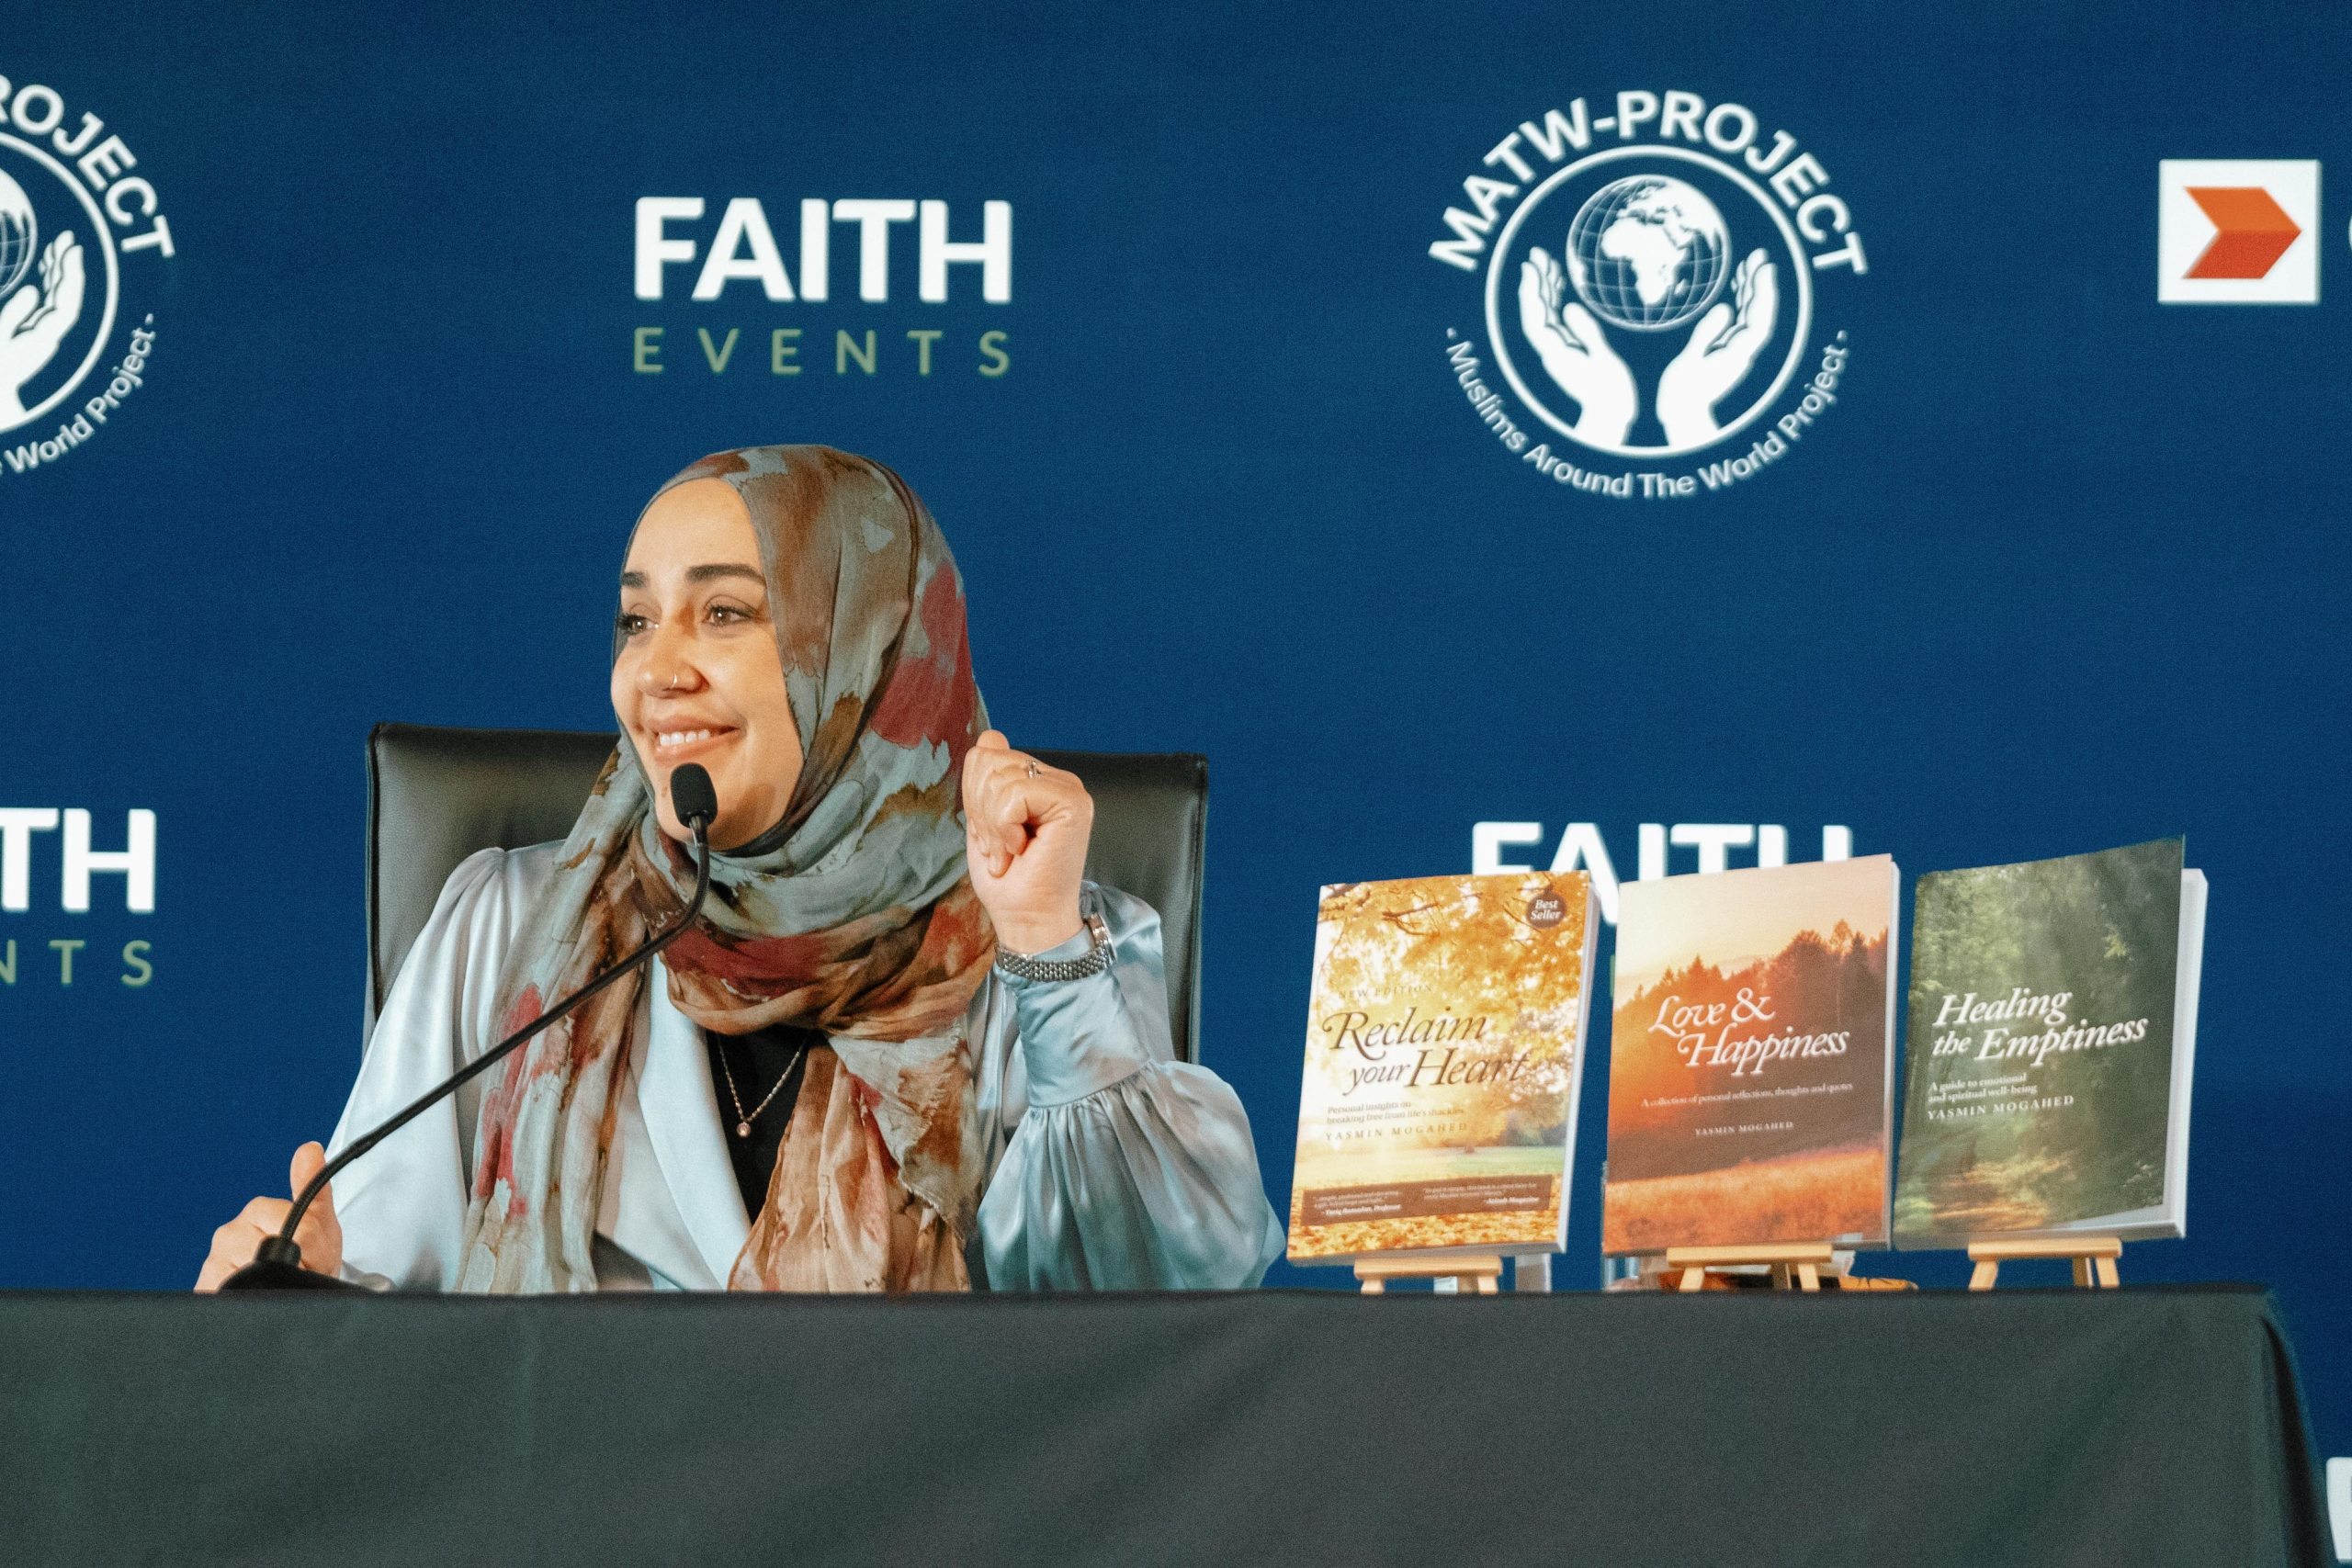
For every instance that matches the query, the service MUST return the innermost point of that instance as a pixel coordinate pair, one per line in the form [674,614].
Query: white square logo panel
[2237,231]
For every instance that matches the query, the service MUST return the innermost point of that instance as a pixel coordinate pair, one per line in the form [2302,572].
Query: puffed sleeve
[1121,1168]
[402,1207]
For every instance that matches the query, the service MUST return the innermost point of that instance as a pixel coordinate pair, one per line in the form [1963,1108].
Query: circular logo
[1649,300]
[60,282]
[1647,252]
[1546,909]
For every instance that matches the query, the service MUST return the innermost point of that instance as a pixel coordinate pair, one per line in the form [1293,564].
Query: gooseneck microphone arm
[278,1260]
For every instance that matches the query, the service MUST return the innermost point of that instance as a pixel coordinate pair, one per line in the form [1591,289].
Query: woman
[905,1047]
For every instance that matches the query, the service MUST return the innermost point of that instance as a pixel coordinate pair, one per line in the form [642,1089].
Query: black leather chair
[437,796]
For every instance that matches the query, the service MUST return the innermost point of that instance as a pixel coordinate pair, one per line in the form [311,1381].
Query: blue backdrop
[2053,564]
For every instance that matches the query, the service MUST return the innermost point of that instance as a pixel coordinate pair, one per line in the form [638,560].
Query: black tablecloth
[2140,1426]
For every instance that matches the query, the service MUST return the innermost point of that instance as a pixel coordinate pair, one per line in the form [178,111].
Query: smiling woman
[905,1047]
[697,673]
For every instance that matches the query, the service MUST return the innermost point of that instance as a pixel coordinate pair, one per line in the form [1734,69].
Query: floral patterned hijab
[852,916]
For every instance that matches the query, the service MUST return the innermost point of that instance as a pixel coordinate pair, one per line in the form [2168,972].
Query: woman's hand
[321,1238]
[1025,830]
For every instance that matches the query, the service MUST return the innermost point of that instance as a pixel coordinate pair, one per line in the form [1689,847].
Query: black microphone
[277,1261]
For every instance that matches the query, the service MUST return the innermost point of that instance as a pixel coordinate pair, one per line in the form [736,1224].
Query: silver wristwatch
[1022,966]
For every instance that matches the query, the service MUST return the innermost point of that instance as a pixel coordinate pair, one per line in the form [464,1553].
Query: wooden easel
[2094,1257]
[1795,1263]
[1477,1273]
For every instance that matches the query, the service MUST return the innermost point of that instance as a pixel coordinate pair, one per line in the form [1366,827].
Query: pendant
[742,1128]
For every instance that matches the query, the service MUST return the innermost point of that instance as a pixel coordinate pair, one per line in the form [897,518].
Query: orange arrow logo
[2254,232]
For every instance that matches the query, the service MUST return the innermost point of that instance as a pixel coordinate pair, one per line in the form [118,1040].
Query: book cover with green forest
[2041,1088]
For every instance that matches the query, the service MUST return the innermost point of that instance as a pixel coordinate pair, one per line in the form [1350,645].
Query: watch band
[1096,959]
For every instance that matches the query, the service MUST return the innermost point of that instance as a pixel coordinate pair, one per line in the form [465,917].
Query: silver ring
[1035,769]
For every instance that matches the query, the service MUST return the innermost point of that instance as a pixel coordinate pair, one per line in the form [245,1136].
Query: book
[2053,1031]
[1750,1082]
[1444,1048]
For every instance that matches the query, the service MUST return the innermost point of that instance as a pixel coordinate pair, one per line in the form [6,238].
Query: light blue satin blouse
[1112,1165]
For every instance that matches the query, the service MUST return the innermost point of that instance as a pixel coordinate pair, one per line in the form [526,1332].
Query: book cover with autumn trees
[1749,1058]
[2052,1027]
[1444,1045]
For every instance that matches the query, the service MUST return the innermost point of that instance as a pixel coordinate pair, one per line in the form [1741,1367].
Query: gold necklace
[743,1118]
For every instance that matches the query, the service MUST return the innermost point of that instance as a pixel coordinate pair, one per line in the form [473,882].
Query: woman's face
[699,679]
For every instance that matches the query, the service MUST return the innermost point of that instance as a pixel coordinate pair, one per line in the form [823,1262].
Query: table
[2146,1426]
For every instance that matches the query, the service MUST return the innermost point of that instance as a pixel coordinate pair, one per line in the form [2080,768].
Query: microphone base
[283,1277]
[278,1266]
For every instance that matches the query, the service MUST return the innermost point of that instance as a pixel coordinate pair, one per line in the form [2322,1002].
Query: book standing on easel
[1750,1040]
[1444,1047]
[2053,1033]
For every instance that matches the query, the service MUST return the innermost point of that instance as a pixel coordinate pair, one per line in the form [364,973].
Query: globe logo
[1648,252]
[18,234]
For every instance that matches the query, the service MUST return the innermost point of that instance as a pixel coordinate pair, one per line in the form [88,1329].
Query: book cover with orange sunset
[1444,1045]
[1749,1083]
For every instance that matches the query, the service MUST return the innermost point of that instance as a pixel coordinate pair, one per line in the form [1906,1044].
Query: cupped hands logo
[35,316]
[1575,352]
[1648,257]
[1650,290]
